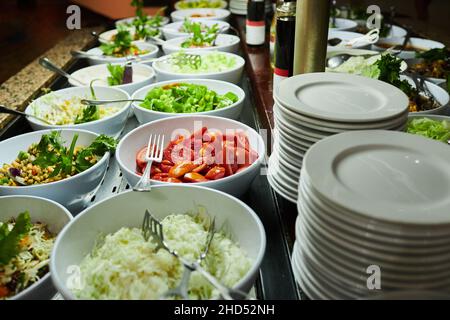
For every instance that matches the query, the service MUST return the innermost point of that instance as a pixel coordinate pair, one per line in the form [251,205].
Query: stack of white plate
[374,212]
[239,7]
[313,106]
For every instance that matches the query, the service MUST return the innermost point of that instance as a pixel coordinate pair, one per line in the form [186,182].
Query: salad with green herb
[186,98]
[50,160]
[142,20]
[201,36]
[122,45]
[435,129]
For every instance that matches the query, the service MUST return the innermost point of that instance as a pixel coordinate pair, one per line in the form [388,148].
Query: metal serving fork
[155,149]
[181,291]
[152,227]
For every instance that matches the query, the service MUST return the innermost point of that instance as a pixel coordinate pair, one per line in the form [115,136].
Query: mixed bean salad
[49,160]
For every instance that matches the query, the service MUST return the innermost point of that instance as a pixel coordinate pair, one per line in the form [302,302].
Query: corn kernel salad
[125,266]
[50,161]
[59,110]
[24,255]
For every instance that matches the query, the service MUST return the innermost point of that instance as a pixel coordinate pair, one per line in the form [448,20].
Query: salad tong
[181,291]
[152,227]
[4,109]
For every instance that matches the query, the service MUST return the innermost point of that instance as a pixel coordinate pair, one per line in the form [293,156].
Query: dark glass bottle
[284,41]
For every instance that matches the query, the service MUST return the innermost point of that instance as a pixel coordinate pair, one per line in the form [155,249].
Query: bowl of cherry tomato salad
[214,152]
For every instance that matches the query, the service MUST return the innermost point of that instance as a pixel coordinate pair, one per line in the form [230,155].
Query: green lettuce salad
[186,98]
[434,129]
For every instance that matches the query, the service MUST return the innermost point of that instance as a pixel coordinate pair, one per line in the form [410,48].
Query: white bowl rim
[173,43]
[80,125]
[48,275]
[442,91]
[348,24]
[240,62]
[120,86]
[153,49]
[43,185]
[441,117]
[169,28]
[255,264]
[399,40]
[221,13]
[163,83]
[102,36]
[257,163]
[165,20]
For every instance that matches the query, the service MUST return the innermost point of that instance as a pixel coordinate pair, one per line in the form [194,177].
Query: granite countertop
[19,90]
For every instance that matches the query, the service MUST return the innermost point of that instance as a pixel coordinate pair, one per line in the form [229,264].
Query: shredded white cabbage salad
[125,266]
[59,110]
[31,263]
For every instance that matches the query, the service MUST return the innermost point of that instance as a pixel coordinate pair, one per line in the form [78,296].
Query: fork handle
[224,291]
[144,184]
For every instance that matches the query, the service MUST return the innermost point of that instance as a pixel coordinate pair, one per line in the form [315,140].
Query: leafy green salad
[186,98]
[435,129]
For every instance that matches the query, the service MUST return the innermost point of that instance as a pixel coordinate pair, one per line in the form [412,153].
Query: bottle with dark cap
[284,41]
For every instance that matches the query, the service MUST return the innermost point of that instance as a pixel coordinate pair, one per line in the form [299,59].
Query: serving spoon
[100,102]
[47,64]
[4,109]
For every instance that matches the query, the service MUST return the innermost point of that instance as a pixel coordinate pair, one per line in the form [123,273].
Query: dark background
[30,27]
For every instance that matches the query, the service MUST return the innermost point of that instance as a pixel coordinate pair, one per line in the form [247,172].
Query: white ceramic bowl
[153,53]
[396,32]
[232,112]
[54,215]
[134,141]
[223,4]
[413,61]
[107,36]
[345,25]
[109,216]
[345,36]
[172,30]
[224,43]
[111,125]
[439,94]
[233,75]
[127,21]
[143,75]
[74,192]
[210,14]
[422,44]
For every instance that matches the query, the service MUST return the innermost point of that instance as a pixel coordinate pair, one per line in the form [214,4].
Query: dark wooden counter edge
[19,90]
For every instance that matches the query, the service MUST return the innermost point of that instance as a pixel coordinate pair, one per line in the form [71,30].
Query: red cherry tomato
[194,177]
[181,169]
[215,173]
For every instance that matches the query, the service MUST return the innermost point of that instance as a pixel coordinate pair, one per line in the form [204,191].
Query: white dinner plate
[332,126]
[395,276]
[390,235]
[386,175]
[341,97]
